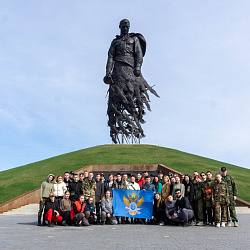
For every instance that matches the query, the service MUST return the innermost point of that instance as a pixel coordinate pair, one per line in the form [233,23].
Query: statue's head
[124,26]
[124,22]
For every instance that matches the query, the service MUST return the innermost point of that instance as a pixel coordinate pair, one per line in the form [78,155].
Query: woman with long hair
[59,188]
[189,189]
[172,183]
[158,185]
[107,209]
[165,189]
[158,210]
[65,208]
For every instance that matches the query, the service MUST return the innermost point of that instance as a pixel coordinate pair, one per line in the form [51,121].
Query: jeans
[185,215]
[112,219]
[80,217]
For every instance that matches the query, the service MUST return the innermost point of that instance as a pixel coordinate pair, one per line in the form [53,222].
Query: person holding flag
[107,209]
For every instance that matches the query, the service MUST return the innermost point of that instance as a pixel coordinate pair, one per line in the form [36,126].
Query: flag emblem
[133,203]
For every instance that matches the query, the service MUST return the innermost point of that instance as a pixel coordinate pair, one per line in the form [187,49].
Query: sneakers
[161,223]
[50,224]
[199,223]
[64,223]
[223,224]
[192,223]
[235,224]
[186,224]
[217,224]
[228,224]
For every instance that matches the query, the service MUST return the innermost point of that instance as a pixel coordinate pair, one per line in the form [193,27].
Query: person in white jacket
[132,185]
[59,188]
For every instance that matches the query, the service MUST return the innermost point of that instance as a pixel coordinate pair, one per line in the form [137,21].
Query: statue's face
[124,28]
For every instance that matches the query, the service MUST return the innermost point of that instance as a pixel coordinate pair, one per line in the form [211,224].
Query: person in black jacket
[66,179]
[75,189]
[89,210]
[99,193]
[158,210]
[108,185]
[182,209]
[51,212]
[189,189]
[172,183]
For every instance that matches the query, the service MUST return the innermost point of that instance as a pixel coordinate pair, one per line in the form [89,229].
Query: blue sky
[52,62]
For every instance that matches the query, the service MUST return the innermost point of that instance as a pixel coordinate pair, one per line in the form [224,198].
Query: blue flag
[133,203]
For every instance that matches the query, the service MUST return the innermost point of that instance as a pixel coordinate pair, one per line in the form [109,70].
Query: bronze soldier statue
[127,88]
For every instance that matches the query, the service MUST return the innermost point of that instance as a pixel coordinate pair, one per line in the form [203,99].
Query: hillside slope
[17,181]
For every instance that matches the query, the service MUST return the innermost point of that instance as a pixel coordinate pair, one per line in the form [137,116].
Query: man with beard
[182,209]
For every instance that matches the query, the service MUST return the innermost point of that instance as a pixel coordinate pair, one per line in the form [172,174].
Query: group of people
[79,199]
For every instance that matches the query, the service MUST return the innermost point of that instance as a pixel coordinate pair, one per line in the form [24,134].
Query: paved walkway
[21,232]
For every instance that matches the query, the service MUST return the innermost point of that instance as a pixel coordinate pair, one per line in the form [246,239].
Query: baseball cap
[223,169]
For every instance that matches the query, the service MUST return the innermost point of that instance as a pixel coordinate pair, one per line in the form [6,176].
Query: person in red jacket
[140,180]
[77,214]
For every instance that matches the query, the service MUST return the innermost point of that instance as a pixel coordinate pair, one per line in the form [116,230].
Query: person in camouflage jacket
[220,200]
[120,184]
[207,194]
[232,190]
[89,187]
[198,200]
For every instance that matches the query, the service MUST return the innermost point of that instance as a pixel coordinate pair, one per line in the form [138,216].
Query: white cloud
[53,59]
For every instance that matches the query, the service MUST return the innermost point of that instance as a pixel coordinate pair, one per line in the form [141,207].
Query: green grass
[17,181]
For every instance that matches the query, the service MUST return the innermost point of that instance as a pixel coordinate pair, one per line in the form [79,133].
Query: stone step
[33,209]
[28,209]
[242,210]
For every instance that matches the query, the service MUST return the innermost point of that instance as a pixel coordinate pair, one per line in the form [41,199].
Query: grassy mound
[17,181]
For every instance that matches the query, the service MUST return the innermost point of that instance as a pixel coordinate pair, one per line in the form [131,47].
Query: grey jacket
[170,206]
[107,206]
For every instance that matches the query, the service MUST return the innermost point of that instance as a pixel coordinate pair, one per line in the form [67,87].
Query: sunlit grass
[17,181]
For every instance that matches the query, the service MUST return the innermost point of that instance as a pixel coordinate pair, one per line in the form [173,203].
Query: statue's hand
[137,72]
[107,79]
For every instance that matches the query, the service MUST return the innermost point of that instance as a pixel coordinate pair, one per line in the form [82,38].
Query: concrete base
[21,232]
[33,209]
